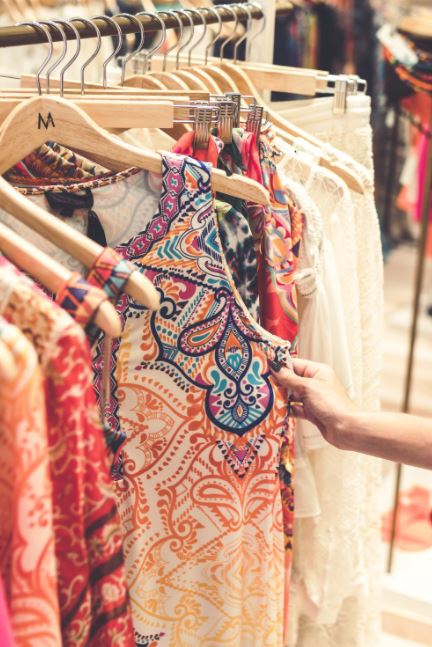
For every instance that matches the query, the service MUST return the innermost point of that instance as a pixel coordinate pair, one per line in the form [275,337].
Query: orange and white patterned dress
[200,502]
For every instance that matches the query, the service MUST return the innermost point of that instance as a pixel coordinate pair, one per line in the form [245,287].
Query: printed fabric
[277,233]
[27,557]
[110,272]
[88,542]
[234,229]
[239,251]
[200,501]
[52,163]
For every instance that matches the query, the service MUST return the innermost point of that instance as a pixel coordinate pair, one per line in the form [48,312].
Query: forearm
[394,436]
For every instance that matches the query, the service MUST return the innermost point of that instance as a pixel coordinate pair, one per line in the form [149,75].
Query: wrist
[348,429]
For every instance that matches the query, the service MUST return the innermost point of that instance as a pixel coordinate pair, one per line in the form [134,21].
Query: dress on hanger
[205,426]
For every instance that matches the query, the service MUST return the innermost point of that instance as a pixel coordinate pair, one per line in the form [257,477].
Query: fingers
[296,410]
[294,385]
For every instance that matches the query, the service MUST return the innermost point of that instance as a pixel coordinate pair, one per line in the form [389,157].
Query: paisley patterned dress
[200,502]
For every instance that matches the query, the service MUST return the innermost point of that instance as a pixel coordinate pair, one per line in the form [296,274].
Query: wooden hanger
[114,112]
[13,10]
[28,83]
[278,78]
[51,274]
[289,132]
[77,245]
[230,77]
[35,121]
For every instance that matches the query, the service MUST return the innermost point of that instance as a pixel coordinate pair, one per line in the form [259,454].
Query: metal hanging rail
[26,35]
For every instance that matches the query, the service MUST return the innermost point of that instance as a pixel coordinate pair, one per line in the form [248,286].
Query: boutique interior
[197,198]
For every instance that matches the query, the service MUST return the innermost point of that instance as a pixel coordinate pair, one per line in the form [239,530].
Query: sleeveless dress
[200,501]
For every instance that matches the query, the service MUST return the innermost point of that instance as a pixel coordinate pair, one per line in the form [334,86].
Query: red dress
[92,591]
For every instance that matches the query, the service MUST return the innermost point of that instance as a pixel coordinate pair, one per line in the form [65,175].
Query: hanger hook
[127,57]
[91,58]
[234,31]
[48,57]
[73,58]
[247,10]
[189,40]
[263,21]
[114,53]
[52,23]
[175,45]
[201,38]
[218,33]
[152,51]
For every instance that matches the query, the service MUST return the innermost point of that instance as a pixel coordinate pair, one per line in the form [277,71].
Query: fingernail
[275,366]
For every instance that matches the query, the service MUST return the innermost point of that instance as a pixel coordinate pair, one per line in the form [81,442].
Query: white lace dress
[336,583]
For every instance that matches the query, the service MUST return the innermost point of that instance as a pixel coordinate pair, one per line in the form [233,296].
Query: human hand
[316,394]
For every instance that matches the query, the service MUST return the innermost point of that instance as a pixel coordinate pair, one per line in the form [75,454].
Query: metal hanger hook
[114,53]
[263,21]
[91,58]
[156,48]
[127,57]
[178,43]
[75,55]
[48,57]
[189,40]
[247,10]
[52,23]
[202,37]
[218,33]
[231,36]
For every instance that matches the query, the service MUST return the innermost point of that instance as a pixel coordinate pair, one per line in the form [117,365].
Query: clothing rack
[15,36]
[26,35]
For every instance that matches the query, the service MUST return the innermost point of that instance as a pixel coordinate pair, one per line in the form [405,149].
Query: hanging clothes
[349,606]
[203,365]
[276,236]
[245,443]
[27,556]
[88,544]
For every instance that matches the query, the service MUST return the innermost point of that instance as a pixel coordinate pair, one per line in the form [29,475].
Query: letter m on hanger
[46,123]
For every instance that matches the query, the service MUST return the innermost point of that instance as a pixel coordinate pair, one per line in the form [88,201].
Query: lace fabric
[336,562]
[350,133]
